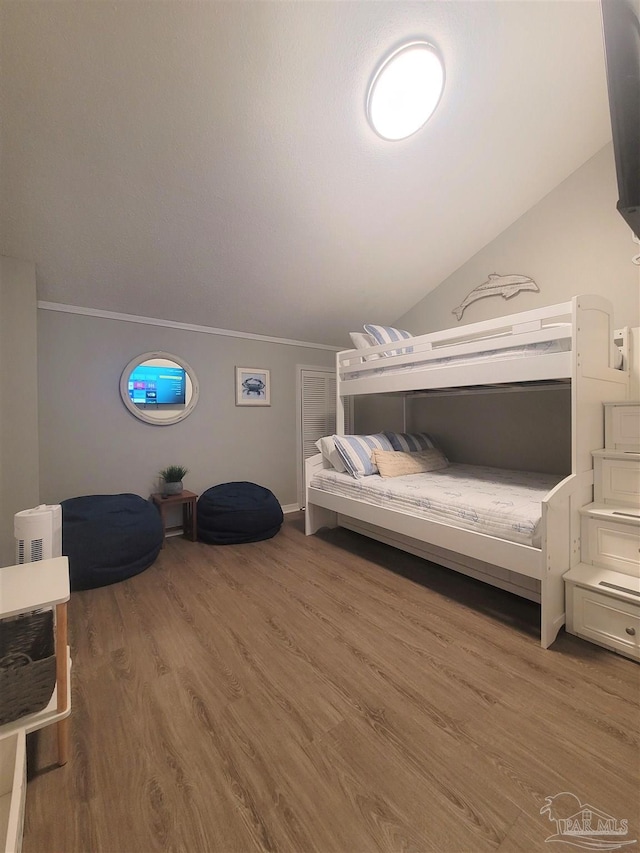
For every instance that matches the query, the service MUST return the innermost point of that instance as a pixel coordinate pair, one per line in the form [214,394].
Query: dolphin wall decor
[497,285]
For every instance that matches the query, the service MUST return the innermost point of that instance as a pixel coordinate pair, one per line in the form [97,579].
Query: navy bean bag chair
[108,538]
[233,513]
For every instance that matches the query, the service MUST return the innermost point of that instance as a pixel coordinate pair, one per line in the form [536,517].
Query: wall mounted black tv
[621,30]
[156,387]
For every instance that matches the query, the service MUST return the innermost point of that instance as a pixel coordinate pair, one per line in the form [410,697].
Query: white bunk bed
[567,343]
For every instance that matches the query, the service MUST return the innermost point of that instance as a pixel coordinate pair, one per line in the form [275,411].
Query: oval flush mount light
[405,90]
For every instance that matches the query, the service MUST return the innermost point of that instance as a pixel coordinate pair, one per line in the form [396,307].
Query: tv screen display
[621,30]
[153,386]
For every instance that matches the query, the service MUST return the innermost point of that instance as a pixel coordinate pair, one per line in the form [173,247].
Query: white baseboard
[290,508]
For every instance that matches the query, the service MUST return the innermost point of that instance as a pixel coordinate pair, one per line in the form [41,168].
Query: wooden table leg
[62,726]
[189,526]
[161,508]
[194,521]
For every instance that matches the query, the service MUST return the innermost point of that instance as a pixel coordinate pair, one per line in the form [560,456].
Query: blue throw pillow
[411,442]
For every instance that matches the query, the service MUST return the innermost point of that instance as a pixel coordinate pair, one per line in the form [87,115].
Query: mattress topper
[494,501]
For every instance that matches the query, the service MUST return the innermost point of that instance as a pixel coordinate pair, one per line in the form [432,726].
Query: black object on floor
[108,538]
[233,513]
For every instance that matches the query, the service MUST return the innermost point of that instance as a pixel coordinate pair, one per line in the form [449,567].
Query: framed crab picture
[253,386]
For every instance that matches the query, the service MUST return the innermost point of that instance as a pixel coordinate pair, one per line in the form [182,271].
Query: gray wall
[91,444]
[18,396]
[528,431]
[573,241]
[375,413]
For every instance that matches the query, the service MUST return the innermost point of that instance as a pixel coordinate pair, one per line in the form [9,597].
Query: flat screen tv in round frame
[159,388]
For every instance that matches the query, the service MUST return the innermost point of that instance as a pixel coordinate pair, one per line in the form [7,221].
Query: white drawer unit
[622,426]
[603,590]
[617,477]
[611,538]
[604,607]
[606,620]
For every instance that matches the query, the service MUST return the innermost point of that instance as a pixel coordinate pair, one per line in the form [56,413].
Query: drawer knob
[631,631]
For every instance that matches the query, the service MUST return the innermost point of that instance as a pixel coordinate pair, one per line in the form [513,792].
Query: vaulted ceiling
[211,162]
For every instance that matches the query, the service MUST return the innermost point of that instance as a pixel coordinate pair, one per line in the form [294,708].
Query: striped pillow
[355,452]
[388,335]
[410,442]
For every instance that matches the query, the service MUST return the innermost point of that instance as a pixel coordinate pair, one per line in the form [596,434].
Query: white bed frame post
[339,400]
[315,517]
[560,548]
[592,384]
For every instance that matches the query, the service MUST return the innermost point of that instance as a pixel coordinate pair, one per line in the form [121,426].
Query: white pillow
[362,341]
[327,447]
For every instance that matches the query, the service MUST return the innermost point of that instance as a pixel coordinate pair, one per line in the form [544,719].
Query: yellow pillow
[397,463]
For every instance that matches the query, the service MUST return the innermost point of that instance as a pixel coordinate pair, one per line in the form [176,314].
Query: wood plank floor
[325,694]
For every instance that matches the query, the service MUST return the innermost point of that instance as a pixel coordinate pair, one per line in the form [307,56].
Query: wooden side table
[187,500]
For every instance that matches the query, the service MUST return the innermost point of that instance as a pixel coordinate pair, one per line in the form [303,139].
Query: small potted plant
[172,479]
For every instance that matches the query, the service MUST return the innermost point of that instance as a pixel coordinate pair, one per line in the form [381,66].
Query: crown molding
[172,324]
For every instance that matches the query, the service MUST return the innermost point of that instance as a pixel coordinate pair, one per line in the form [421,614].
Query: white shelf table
[34,586]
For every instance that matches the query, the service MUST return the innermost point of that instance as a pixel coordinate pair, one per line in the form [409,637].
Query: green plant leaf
[173,473]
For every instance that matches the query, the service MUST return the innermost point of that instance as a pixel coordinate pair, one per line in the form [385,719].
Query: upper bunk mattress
[494,501]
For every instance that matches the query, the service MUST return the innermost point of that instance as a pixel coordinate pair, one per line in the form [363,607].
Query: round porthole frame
[153,416]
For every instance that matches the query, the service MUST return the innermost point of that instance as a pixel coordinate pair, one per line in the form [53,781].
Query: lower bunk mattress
[494,501]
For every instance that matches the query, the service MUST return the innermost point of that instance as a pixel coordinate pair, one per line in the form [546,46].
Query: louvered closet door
[317,415]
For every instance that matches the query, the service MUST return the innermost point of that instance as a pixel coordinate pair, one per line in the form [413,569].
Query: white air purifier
[38,533]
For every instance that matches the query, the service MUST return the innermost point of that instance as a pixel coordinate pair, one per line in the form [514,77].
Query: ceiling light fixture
[405,90]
